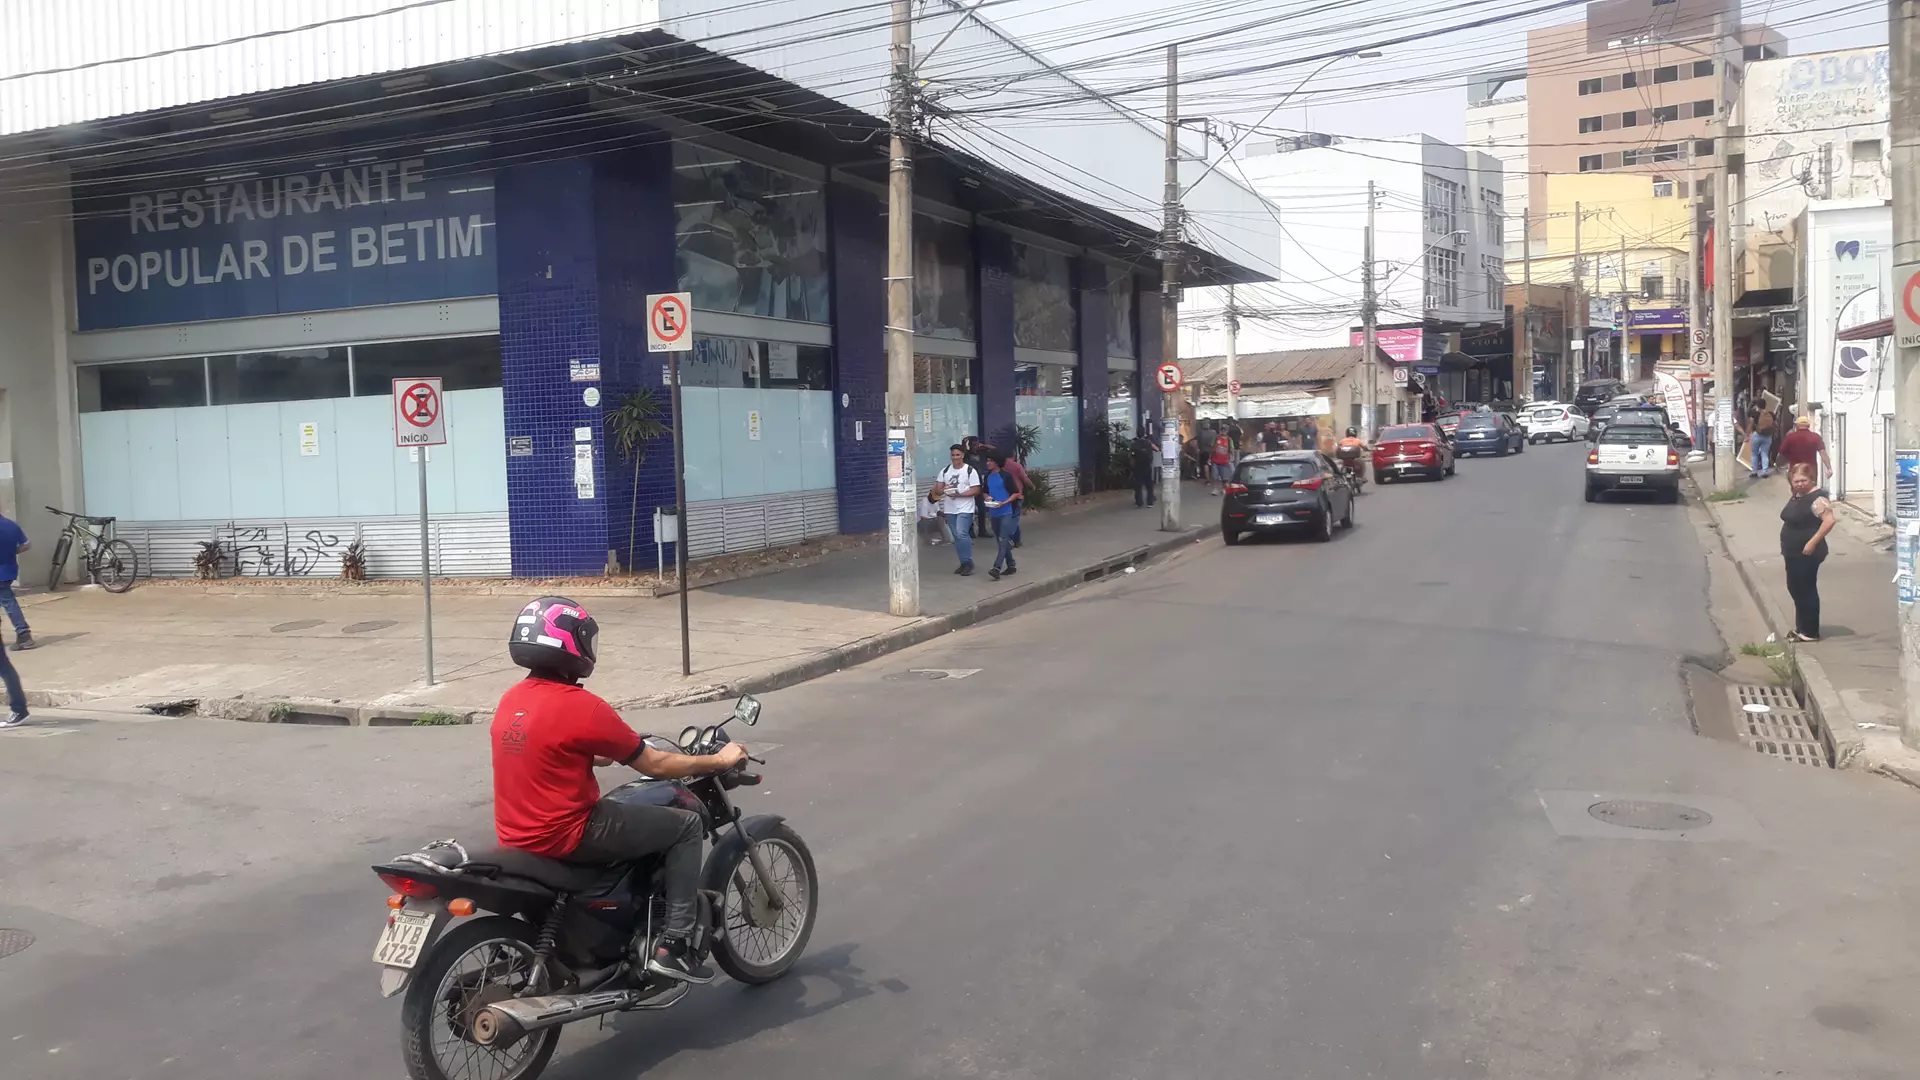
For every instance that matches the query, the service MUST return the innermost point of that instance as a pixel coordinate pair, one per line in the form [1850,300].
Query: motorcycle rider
[1352,449]
[549,733]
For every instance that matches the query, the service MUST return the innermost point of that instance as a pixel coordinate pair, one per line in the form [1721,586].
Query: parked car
[1634,415]
[1488,433]
[1524,415]
[1550,422]
[1405,449]
[1448,422]
[1633,458]
[1286,491]
[1597,392]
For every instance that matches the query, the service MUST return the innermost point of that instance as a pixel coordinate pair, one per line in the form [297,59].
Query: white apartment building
[1497,124]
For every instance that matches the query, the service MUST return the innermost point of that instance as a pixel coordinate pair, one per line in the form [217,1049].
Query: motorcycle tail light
[418,890]
[1236,489]
[1311,483]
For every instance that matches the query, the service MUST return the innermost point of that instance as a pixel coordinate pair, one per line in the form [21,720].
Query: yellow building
[1627,236]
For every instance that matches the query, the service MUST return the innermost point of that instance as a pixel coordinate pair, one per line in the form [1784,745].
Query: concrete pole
[1170,299]
[1233,358]
[903,494]
[1903,35]
[1580,305]
[1696,318]
[1523,325]
[1370,319]
[1723,463]
[1622,328]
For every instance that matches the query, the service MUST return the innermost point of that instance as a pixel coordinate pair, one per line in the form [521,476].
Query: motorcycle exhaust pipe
[504,1023]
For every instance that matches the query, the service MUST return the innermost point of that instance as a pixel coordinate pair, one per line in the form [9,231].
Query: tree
[634,423]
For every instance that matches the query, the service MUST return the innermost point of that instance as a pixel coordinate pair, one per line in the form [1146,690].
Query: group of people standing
[981,488]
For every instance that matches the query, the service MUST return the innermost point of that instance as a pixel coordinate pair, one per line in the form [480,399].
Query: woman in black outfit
[1804,524]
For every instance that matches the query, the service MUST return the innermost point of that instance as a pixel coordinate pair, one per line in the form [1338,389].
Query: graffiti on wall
[1807,119]
[265,551]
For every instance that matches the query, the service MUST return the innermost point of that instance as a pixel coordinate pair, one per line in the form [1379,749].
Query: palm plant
[634,423]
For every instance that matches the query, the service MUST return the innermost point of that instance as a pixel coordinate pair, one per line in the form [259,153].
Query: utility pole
[1722,282]
[903,494]
[1580,305]
[1621,319]
[1696,320]
[1903,36]
[1233,358]
[1169,299]
[1523,333]
[1370,319]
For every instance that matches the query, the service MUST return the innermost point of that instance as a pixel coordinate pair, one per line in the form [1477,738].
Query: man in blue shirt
[13,541]
[1002,494]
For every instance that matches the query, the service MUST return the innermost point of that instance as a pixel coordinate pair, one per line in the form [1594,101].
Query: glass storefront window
[1121,299]
[751,240]
[943,283]
[743,362]
[1043,311]
[1121,406]
[946,409]
[468,363]
[293,375]
[147,384]
[759,418]
[1046,399]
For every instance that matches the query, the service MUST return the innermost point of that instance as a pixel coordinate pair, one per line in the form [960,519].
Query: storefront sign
[579,370]
[1601,313]
[1402,346]
[382,232]
[1783,331]
[1657,320]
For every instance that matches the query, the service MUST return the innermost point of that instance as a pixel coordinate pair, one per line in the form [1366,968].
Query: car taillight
[1312,483]
[1673,456]
[1236,489]
[1593,457]
[419,890]
[1424,448]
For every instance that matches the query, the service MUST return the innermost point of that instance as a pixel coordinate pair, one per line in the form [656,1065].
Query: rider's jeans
[618,832]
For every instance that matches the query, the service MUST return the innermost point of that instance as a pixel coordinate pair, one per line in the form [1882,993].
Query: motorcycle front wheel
[763,942]
[474,965]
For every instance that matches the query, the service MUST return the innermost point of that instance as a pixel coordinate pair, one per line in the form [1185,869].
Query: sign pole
[426,565]
[1170,303]
[670,330]
[1903,36]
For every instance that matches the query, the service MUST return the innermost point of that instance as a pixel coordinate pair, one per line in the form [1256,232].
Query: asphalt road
[1279,809]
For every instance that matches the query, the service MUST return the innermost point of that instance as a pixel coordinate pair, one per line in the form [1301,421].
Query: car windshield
[1404,434]
[1641,416]
[1634,432]
[1276,472]
[1603,414]
[1480,420]
[1553,412]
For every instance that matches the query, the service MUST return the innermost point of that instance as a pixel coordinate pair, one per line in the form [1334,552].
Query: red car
[1449,421]
[1404,449]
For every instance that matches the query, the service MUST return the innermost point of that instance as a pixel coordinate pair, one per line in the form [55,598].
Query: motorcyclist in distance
[1352,451]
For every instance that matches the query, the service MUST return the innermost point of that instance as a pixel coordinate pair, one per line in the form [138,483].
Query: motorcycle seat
[554,874]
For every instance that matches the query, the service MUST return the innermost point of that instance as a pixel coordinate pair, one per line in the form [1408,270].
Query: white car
[1564,422]
[1524,415]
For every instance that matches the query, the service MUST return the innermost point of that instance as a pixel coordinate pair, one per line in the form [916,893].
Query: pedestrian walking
[1002,497]
[1309,435]
[1804,446]
[1271,437]
[930,519]
[1017,472]
[1760,441]
[956,487]
[1804,524]
[1145,491]
[13,541]
[977,451]
[1222,462]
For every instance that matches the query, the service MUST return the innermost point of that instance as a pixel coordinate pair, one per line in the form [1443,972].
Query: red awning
[1879,328]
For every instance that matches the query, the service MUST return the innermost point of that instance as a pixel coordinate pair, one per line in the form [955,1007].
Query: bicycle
[109,562]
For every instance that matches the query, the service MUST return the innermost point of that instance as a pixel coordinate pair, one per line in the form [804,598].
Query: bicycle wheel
[115,565]
[61,550]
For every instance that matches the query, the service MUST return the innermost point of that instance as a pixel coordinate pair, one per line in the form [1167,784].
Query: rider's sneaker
[674,960]
[13,720]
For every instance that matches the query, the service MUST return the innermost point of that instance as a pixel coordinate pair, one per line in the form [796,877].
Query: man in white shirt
[955,487]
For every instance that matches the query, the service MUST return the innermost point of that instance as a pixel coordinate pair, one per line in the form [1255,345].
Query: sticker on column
[592,396]
[309,439]
[926,421]
[859,431]
[753,425]
[583,470]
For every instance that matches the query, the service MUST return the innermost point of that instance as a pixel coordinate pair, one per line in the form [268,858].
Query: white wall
[1843,291]
[37,433]
[1499,128]
[1803,116]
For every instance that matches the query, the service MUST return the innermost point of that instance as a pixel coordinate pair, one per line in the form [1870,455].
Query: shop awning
[1878,328]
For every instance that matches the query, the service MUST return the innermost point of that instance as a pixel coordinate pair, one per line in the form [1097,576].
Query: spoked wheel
[116,565]
[61,549]
[763,942]
[477,964]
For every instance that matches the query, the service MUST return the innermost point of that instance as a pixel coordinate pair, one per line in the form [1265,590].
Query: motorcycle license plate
[402,941]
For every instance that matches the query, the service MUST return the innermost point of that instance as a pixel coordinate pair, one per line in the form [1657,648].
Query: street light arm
[1297,87]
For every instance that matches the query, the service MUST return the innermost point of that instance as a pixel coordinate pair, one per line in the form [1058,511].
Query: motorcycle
[498,950]
[1355,467]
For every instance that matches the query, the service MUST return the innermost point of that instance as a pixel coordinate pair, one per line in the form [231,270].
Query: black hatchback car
[1597,392]
[1286,491]
[1488,433]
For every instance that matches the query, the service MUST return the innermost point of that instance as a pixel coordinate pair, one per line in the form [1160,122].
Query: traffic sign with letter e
[670,322]
[1906,313]
[1168,377]
[419,413]
[1233,387]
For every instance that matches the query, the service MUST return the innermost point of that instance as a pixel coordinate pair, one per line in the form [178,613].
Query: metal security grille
[463,545]
[726,526]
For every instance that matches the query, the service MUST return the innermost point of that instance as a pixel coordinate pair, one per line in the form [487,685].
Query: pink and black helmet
[555,635]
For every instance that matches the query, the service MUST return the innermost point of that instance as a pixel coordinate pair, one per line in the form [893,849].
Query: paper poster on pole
[1906,519]
[583,470]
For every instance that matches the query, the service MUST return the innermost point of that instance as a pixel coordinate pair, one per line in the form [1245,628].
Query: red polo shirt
[545,737]
[1800,447]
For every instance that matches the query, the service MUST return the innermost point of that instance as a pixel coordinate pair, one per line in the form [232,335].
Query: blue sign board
[1906,513]
[371,232]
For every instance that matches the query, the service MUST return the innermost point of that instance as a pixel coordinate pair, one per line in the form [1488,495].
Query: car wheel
[1347,522]
[1670,495]
[1593,493]
[1325,532]
[1231,536]
[1519,448]
[1450,464]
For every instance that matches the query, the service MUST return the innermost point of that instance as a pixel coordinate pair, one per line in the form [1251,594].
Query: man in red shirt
[1803,446]
[548,734]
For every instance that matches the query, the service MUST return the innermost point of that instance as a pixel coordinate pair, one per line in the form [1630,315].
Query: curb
[921,630]
[1843,737]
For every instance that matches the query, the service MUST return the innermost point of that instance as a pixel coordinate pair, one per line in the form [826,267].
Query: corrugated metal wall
[463,545]
[726,526]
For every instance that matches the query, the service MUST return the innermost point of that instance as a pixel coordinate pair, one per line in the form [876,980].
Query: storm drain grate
[13,941]
[1773,721]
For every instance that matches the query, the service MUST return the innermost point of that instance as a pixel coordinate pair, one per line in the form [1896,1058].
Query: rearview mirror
[747,710]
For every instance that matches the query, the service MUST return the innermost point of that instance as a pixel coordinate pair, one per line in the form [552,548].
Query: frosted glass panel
[794,451]
[1058,421]
[816,441]
[944,419]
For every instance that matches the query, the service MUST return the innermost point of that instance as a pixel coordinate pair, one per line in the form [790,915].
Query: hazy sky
[1417,85]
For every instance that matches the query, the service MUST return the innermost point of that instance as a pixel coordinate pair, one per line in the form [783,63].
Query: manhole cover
[915,676]
[363,627]
[13,941]
[1662,816]
[297,624]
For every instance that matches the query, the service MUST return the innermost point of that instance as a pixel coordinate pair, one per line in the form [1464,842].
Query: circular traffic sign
[420,404]
[1702,359]
[1399,376]
[669,319]
[1906,296]
[1233,387]
[1168,377]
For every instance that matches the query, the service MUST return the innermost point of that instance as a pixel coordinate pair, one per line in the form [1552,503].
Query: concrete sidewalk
[360,655]
[1852,674]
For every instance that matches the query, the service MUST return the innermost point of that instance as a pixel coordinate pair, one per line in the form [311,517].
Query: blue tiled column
[1091,290]
[858,251]
[581,243]
[993,251]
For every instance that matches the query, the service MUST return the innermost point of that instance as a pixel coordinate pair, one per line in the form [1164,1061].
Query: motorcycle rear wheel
[761,943]
[434,1012]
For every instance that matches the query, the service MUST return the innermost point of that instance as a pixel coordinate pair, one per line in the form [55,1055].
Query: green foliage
[1026,439]
[1116,472]
[634,423]
[279,712]
[1726,496]
[1039,493]
[438,718]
